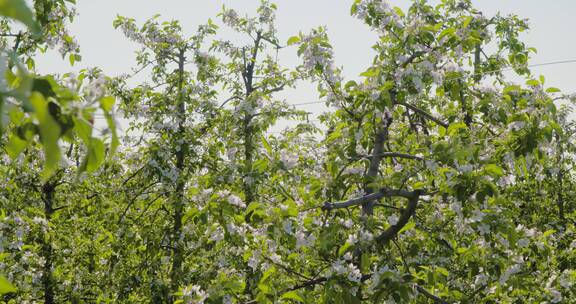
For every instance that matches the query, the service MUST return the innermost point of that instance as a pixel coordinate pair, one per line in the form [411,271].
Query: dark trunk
[47,251]
[177,250]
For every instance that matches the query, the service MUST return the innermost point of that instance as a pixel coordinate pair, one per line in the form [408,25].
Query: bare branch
[425,114]
[274,43]
[228,100]
[397,155]
[393,230]
[373,197]
[426,293]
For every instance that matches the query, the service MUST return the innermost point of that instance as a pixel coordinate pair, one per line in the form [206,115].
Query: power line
[461,77]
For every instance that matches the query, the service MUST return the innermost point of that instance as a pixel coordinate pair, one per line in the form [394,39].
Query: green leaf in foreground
[6,286]
[18,10]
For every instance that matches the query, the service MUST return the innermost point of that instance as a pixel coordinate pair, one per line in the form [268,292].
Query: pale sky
[552,24]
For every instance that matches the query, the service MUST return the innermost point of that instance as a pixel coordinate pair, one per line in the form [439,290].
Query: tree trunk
[177,250]
[48,190]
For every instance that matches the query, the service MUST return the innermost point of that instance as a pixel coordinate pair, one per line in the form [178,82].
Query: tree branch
[411,195]
[396,155]
[424,114]
[426,293]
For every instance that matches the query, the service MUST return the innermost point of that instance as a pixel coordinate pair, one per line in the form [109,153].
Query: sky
[102,46]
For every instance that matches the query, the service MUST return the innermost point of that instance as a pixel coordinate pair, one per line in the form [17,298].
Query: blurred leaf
[112,126]
[292,295]
[15,146]
[6,286]
[95,155]
[18,10]
[292,40]
[107,103]
[49,133]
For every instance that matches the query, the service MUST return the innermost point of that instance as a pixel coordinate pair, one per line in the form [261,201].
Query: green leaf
[6,286]
[15,146]
[292,295]
[266,145]
[365,262]
[467,21]
[252,206]
[293,40]
[112,126]
[408,226]
[370,73]
[443,271]
[449,31]
[95,155]
[344,248]
[542,79]
[354,7]
[18,10]
[260,165]
[107,103]
[494,170]
[548,233]
[453,128]
[49,133]
[263,284]
[84,130]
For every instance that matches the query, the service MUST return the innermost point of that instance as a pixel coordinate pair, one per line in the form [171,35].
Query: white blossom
[393,219]
[217,235]
[304,241]
[289,160]
[338,267]
[352,239]
[523,242]
[194,295]
[354,273]
[516,125]
[566,279]
[509,272]
[287,226]
[254,260]
[236,201]
[347,223]
[366,236]
[556,296]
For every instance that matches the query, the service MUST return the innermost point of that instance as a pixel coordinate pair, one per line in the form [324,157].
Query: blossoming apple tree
[432,179]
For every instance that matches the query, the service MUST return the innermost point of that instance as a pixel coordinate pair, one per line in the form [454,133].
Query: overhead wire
[505,69]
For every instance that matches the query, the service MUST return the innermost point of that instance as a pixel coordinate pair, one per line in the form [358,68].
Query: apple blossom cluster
[95,89]
[317,57]
[232,199]
[154,35]
[20,261]
[193,294]
[167,173]
[230,17]
[289,160]
[381,10]
[68,45]
[130,30]
[267,13]
[379,273]
[151,32]
[304,239]
[57,35]
[264,24]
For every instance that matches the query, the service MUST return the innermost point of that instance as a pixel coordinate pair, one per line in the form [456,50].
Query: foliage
[433,178]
